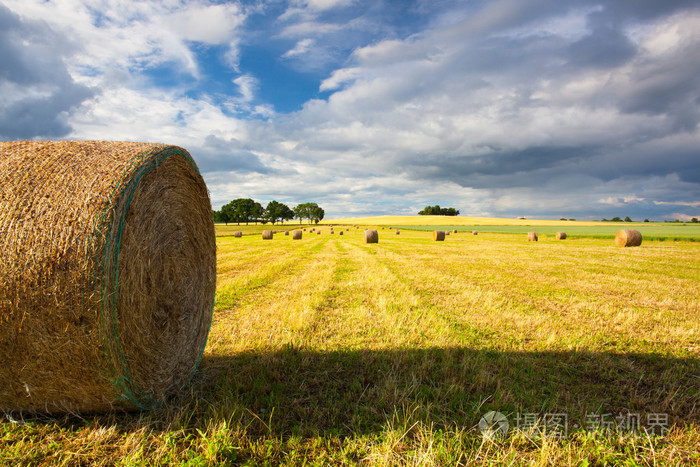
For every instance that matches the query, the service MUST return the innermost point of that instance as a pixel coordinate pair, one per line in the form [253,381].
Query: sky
[502,108]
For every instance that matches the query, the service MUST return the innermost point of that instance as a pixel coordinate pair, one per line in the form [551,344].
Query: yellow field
[455,220]
[327,350]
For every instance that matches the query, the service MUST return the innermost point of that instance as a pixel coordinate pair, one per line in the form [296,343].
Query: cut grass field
[331,351]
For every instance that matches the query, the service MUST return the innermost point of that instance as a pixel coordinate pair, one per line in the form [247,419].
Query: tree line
[438,211]
[247,210]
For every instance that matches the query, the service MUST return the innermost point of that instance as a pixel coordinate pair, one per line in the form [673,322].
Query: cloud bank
[544,109]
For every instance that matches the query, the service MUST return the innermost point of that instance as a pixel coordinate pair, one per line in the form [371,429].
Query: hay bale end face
[560,236]
[438,236]
[238,234]
[371,236]
[627,237]
[532,236]
[296,235]
[103,304]
[267,235]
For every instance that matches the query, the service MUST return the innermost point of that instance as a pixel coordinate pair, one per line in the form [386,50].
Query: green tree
[438,211]
[627,219]
[311,211]
[256,212]
[300,212]
[228,212]
[274,211]
[316,213]
[286,214]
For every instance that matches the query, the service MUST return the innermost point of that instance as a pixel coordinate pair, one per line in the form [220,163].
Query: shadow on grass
[341,393]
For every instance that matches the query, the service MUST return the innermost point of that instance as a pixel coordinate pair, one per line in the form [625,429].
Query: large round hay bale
[475,232]
[296,235]
[318,233]
[340,233]
[371,236]
[628,237]
[560,236]
[286,233]
[438,236]
[267,235]
[107,275]
[532,236]
[454,231]
[398,232]
[238,234]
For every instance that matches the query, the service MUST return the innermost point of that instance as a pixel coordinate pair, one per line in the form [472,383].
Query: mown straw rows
[330,350]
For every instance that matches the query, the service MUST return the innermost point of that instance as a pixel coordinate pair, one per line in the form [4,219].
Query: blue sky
[499,108]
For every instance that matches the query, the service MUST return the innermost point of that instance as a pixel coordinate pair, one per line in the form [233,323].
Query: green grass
[331,351]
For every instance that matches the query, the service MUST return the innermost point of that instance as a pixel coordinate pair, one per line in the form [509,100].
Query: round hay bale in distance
[107,275]
[532,236]
[438,236]
[267,235]
[628,237]
[296,235]
[286,232]
[454,231]
[475,232]
[238,234]
[560,236]
[371,236]
[398,232]
[340,233]
[318,233]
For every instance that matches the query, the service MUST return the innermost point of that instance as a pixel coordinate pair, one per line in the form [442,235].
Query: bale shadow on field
[348,392]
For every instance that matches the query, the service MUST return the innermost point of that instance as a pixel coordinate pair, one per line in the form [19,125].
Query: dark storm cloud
[37,88]
[500,169]
[220,155]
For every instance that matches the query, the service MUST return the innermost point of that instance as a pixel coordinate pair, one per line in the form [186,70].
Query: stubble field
[330,350]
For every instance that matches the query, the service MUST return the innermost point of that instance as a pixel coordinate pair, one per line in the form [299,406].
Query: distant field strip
[662,232]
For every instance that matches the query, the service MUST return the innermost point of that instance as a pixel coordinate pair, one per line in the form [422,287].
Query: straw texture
[238,234]
[107,274]
[560,236]
[628,238]
[438,236]
[296,235]
[371,236]
[267,235]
